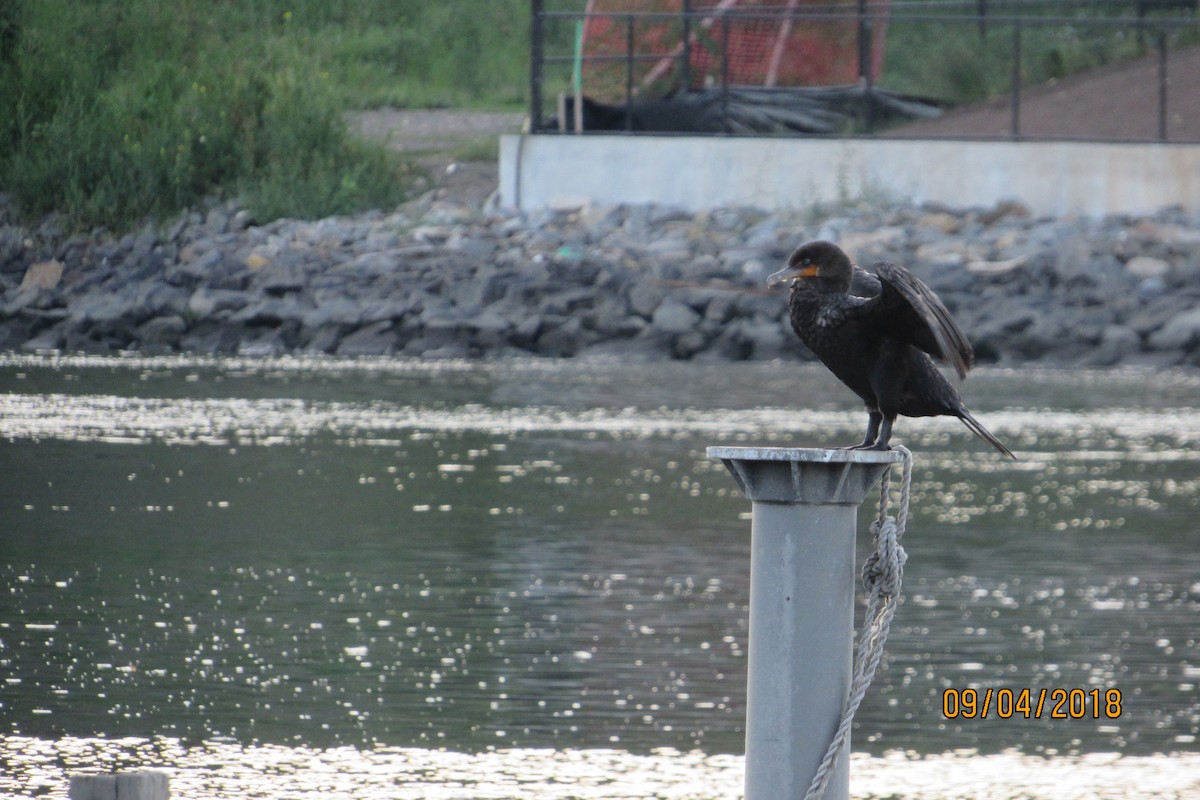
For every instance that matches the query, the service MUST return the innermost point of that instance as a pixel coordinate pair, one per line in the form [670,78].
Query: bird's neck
[822,286]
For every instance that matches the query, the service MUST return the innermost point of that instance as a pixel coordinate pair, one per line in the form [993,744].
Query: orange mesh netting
[767,45]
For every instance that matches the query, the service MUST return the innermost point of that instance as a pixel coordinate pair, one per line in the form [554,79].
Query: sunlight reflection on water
[1161,435]
[433,536]
[226,770]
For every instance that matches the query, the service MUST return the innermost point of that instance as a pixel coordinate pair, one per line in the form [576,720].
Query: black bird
[877,345]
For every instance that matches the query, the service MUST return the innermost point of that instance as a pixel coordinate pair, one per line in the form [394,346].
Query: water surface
[392,572]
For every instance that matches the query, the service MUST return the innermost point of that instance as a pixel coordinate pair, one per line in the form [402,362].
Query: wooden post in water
[802,579]
[149,785]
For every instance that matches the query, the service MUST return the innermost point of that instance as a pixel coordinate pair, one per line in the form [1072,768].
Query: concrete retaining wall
[696,173]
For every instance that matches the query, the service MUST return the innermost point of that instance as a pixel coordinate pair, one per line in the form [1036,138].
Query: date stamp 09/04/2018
[1031,703]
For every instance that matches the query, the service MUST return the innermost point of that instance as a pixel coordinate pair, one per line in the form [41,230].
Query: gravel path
[1115,103]
[432,135]
[419,130]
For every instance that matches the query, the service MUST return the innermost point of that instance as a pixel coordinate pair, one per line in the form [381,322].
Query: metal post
[686,81]
[1162,85]
[629,74]
[535,68]
[802,578]
[1016,80]
[725,74]
[865,79]
[864,31]
[149,785]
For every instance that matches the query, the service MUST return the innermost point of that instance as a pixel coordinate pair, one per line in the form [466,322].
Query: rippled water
[526,580]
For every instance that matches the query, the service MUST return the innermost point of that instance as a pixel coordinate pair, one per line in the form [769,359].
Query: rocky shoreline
[443,278]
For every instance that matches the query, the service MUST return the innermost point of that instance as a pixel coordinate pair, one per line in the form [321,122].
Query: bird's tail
[983,433]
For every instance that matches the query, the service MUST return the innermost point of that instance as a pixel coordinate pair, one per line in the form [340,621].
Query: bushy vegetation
[115,110]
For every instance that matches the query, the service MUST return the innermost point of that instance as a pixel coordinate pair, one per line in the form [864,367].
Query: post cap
[805,476]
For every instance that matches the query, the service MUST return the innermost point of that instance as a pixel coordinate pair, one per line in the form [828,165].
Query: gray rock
[324,340]
[263,345]
[1152,288]
[44,342]
[101,308]
[689,344]
[217,220]
[672,316]
[333,311]
[272,311]
[765,339]
[1182,331]
[211,339]
[567,302]
[167,330]
[565,339]
[157,299]
[241,220]
[527,331]
[611,318]
[282,278]
[372,340]
[20,300]
[1158,312]
[661,215]
[389,309]
[1116,344]
[645,296]
[206,302]
[439,279]
[1147,267]
[489,327]
[721,307]
[201,267]
[669,250]
[1044,336]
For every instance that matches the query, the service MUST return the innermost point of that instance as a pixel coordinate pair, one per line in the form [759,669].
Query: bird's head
[821,262]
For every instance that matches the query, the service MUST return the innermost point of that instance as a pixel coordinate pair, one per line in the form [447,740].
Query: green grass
[120,110]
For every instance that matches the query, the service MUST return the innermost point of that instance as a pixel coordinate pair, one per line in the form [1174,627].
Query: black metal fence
[1113,30]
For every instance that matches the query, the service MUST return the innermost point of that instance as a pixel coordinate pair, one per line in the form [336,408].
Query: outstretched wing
[908,310]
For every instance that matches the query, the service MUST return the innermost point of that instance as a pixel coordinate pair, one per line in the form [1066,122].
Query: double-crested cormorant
[877,345]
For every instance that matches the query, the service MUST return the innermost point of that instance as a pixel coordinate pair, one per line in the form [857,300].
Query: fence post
[686,80]
[536,33]
[1162,85]
[864,47]
[802,579]
[866,80]
[725,74]
[1016,80]
[629,44]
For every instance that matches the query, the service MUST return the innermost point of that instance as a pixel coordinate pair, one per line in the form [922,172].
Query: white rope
[882,575]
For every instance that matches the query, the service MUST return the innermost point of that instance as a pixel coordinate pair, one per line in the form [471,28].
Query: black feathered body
[890,376]
[880,345]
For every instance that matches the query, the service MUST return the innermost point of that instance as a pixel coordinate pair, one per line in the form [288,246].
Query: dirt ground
[1116,103]
[448,144]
